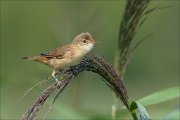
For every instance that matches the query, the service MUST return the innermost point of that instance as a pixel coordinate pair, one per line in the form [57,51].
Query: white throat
[87,47]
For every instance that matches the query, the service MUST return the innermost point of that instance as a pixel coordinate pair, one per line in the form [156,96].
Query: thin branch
[32,88]
[34,109]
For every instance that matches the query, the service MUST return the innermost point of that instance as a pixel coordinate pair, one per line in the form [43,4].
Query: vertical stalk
[133,18]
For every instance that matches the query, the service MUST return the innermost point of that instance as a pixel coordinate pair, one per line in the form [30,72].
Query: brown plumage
[63,57]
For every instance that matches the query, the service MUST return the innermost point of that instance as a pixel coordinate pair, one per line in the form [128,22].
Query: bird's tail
[38,58]
[35,58]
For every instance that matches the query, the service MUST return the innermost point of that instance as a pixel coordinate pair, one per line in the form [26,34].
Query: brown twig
[92,62]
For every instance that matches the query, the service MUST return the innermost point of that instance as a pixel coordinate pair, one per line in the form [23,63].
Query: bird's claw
[57,81]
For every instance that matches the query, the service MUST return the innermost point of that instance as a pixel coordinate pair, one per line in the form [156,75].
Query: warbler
[63,57]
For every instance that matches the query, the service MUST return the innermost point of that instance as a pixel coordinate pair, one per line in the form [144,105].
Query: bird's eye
[84,41]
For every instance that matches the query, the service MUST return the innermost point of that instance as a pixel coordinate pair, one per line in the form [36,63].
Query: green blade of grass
[160,96]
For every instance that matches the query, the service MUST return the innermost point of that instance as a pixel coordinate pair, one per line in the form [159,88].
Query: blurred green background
[31,27]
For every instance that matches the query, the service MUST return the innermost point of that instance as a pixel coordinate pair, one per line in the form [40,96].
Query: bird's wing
[58,53]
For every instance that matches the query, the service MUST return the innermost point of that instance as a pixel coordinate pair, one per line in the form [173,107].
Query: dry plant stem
[99,65]
[34,110]
[32,88]
[92,63]
[131,22]
[134,16]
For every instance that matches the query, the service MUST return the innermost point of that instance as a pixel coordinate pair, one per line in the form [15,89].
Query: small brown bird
[66,56]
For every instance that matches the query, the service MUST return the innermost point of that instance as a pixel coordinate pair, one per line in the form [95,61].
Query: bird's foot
[57,81]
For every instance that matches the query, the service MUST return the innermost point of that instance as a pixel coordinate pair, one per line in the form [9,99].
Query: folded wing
[57,53]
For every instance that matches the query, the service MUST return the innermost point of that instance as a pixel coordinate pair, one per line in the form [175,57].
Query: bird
[68,55]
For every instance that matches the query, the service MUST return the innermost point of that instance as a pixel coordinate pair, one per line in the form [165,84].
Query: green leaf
[143,113]
[160,96]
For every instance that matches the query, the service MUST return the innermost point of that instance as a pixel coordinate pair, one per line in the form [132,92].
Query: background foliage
[31,27]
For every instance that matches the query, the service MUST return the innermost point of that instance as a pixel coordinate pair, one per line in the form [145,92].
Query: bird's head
[84,41]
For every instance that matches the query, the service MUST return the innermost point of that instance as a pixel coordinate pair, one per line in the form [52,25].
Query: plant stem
[131,22]
[134,115]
